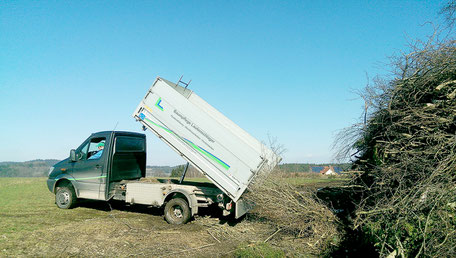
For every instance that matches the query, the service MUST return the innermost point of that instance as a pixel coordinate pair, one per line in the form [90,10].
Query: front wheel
[65,197]
[177,211]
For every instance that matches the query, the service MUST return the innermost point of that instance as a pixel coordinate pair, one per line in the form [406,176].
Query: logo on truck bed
[157,104]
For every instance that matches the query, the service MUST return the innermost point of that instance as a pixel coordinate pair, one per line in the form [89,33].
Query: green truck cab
[87,174]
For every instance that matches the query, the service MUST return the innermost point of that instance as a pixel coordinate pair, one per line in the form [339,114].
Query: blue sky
[283,68]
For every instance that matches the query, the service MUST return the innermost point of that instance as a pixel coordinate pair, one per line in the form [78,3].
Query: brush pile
[406,150]
[296,214]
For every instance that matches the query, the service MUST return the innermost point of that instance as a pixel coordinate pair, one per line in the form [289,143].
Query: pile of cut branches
[295,213]
[407,151]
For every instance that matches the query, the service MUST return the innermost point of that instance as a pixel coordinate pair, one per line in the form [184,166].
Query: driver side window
[96,147]
[91,148]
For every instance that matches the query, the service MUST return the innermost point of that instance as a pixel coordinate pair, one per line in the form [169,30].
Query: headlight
[50,170]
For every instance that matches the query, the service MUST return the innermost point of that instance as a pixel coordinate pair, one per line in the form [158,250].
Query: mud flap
[242,207]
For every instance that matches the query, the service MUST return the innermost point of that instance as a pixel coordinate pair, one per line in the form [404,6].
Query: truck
[111,165]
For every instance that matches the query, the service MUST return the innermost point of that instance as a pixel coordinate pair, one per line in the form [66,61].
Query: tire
[177,211]
[65,197]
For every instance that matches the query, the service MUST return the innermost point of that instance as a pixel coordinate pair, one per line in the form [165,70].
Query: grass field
[316,182]
[32,225]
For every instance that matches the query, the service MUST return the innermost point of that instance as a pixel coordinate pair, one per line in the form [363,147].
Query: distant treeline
[307,167]
[159,171]
[33,168]
[289,167]
[40,168]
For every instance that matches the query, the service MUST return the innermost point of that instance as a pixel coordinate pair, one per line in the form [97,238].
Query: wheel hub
[64,198]
[177,212]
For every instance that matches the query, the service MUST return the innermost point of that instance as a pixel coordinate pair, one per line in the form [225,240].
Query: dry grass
[31,225]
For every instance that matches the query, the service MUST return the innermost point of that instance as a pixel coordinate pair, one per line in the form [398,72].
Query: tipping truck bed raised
[227,155]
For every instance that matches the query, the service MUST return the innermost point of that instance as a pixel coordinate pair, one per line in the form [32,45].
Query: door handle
[97,166]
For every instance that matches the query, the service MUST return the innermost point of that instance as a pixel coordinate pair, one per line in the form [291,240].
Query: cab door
[89,171]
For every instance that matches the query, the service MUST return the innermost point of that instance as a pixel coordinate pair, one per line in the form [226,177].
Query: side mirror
[73,155]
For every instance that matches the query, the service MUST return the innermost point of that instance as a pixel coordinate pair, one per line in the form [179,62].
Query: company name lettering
[187,121]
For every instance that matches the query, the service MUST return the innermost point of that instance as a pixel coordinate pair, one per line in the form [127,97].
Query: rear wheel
[177,211]
[65,197]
